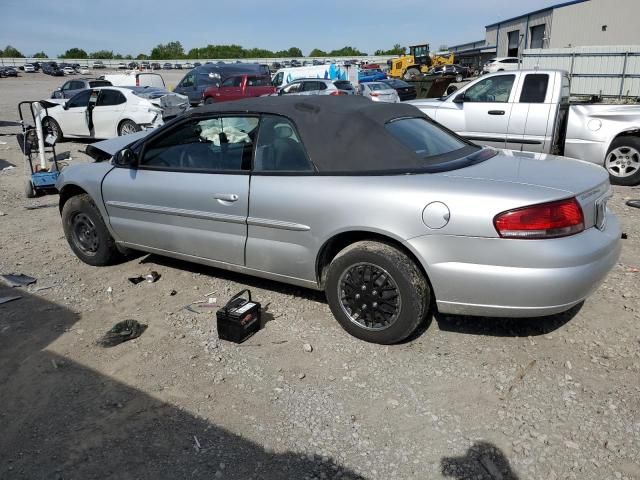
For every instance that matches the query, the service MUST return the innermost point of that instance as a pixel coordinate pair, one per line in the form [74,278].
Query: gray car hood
[106,149]
[537,169]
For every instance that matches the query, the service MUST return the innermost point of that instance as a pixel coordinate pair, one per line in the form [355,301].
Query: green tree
[118,56]
[168,51]
[128,57]
[142,56]
[74,53]
[40,55]
[345,52]
[102,54]
[11,52]
[396,50]
[316,52]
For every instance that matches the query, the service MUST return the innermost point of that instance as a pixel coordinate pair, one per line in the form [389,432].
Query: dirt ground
[468,398]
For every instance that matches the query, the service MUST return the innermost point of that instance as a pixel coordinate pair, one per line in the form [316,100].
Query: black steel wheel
[87,233]
[376,292]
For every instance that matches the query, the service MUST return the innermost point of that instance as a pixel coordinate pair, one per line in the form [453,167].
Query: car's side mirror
[125,158]
[65,105]
[459,98]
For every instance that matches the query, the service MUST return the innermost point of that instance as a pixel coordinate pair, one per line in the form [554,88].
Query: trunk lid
[588,182]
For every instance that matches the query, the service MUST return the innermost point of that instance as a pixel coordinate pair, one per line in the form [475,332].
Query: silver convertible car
[388,212]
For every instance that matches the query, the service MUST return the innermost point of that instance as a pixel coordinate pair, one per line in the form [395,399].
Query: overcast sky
[136,26]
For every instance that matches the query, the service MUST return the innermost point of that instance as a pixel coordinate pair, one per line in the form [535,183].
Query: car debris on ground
[122,332]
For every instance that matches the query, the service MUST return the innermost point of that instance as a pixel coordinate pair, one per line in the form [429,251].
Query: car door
[529,125]
[72,116]
[108,112]
[280,239]
[481,112]
[189,194]
[230,89]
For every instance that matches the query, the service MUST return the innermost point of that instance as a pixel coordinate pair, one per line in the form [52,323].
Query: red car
[239,86]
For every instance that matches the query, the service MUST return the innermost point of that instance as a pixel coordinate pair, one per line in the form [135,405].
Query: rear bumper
[517,278]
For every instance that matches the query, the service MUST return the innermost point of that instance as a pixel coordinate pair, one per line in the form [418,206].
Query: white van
[284,76]
[136,79]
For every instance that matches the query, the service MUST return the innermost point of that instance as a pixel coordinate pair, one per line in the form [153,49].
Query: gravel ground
[468,398]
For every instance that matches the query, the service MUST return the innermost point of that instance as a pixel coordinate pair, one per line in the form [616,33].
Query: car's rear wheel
[209,101]
[87,233]
[376,292]
[127,127]
[51,126]
[623,161]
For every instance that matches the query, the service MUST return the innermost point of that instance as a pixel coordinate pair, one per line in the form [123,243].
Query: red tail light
[137,81]
[338,92]
[374,94]
[547,220]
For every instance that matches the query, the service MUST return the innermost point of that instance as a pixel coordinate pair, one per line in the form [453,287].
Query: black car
[405,90]
[133,65]
[177,66]
[167,66]
[196,64]
[155,66]
[8,72]
[459,71]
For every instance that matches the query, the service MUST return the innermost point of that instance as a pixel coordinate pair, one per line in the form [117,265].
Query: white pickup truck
[530,110]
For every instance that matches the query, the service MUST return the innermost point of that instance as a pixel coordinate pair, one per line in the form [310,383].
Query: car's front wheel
[209,101]
[87,233]
[376,292]
[127,127]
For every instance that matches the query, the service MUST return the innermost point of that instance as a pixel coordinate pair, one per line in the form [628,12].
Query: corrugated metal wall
[603,70]
[582,24]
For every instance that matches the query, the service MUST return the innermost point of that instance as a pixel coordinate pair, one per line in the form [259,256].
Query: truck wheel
[376,292]
[87,233]
[623,161]
[209,101]
[127,127]
[411,72]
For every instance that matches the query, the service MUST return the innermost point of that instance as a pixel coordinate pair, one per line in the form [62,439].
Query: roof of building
[551,7]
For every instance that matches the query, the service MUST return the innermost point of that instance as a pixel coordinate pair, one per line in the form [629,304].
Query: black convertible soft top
[342,133]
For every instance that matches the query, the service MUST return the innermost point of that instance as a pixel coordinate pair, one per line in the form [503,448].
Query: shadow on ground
[506,327]
[482,461]
[60,420]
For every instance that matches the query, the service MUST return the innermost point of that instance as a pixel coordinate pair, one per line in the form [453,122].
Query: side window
[212,145]
[110,97]
[277,80]
[292,88]
[232,82]
[310,86]
[66,86]
[494,89]
[279,148]
[187,81]
[534,89]
[79,100]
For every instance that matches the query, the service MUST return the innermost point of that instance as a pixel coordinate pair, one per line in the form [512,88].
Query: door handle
[226,197]
[496,112]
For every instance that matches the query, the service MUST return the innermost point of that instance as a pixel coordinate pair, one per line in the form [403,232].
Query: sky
[136,26]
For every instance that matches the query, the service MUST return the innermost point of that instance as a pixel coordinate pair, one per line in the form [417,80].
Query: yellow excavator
[416,63]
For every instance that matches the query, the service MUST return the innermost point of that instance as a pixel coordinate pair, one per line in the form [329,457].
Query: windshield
[99,83]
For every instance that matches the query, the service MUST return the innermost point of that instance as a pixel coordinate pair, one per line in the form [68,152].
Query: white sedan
[107,112]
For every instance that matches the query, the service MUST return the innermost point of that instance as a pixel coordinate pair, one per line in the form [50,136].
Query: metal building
[570,24]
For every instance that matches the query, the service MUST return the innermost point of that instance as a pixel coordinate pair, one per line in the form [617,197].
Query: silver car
[318,86]
[376,204]
[379,92]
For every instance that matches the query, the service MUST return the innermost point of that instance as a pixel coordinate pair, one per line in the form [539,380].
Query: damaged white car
[107,112]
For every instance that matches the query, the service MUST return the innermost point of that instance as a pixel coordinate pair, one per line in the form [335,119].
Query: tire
[411,72]
[623,161]
[209,101]
[459,78]
[87,233]
[29,191]
[361,269]
[127,126]
[50,125]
